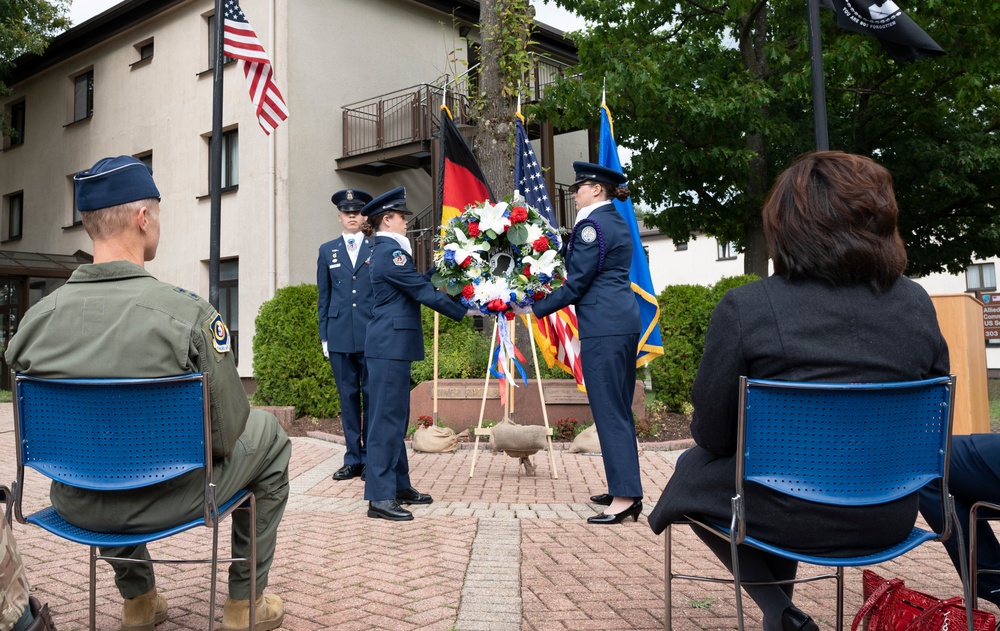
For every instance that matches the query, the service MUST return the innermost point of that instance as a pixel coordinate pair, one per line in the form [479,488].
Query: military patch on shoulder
[398,258]
[588,234]
[220,335]
[185,292]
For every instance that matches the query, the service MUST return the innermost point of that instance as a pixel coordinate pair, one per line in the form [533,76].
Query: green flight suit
[116,320]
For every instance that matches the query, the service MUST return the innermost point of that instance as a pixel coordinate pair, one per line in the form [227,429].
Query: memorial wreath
[499,258]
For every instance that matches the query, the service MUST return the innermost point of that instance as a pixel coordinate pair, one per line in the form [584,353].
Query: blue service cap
[391,200]
[350,200]
[590,172]
[114,181]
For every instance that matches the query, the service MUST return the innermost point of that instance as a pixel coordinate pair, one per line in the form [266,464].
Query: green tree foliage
[288,361]
[714,99]
[685,311]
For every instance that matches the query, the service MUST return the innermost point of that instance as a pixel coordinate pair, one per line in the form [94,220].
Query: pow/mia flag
[901,38]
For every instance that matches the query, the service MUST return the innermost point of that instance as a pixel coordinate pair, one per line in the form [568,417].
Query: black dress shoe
[603,499]
[632,511]
[413,496]
[388,509]
[794,619]
[349,471]
[363,469]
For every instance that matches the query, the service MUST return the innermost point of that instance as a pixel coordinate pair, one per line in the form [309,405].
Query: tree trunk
[492,143]
[753,39]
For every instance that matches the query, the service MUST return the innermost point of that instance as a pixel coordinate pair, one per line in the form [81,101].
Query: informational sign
[991,317]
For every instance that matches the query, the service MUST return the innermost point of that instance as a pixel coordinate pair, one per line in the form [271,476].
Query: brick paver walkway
[497,551]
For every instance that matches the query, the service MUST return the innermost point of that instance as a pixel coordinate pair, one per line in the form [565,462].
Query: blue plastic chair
[118,434]
[839,444]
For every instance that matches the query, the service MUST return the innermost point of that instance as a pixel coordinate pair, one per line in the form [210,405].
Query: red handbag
[891,606]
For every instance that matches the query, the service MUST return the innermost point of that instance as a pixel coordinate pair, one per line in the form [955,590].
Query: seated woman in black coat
[837,309]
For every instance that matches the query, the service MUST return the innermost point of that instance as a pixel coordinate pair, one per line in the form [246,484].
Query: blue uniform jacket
[395,331]
[345,295]
[601,290]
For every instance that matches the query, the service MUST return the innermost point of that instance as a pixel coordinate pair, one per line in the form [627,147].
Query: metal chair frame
[976,514]
[933,414]
[93,403]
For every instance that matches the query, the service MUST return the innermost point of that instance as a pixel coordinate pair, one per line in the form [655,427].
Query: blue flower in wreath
[449,257]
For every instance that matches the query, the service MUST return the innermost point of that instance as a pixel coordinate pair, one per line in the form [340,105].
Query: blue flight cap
[350,200]
[392,200]
[114,181]
[590,172]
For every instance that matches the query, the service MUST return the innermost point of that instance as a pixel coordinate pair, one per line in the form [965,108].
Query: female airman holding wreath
[598,260]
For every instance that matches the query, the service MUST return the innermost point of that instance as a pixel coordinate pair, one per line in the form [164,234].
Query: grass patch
[5,396]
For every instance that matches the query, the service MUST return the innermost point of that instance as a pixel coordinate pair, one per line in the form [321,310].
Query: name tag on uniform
[335,265]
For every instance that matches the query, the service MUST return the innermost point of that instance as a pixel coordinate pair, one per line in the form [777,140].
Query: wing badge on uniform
[220,335]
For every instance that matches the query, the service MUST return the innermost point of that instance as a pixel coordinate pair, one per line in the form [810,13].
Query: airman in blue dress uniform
[598,259]
[345,307]
[395,339]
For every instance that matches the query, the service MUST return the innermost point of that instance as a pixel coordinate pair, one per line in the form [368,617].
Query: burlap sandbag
[586,442]
[518,441]
[435,440]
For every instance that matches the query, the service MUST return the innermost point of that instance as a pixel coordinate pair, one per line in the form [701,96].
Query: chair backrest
[845,444]
[112,434]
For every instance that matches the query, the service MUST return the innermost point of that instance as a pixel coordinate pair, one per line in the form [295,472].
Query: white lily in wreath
[464,246]
[545,263]
[491,218]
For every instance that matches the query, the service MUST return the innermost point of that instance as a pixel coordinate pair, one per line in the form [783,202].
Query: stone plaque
[564,394]
[468,392]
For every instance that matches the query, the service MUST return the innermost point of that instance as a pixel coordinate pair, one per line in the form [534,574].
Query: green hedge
[685,311]
[462,349]
[288,361]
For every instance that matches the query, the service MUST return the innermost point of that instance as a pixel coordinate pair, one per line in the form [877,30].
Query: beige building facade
[138,80]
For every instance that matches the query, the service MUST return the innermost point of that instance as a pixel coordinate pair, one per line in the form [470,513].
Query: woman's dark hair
[832,216]
[621,193]
[371,226]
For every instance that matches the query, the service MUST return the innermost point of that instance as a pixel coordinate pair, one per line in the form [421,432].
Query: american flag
[240,42]
[528,177]
[555,334]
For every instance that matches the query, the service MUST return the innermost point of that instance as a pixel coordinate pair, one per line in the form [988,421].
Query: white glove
[473,311]
[326,350]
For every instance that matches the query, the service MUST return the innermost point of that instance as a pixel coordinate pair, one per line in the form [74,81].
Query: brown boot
[42,618]
[144,612]
[236,614]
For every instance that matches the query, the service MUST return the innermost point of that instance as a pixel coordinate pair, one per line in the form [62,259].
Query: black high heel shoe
[632,511]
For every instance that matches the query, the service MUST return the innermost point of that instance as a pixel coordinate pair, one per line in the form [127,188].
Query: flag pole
[437,316]
[215,162]
[818,82]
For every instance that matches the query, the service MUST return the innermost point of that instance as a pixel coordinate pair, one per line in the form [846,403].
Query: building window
[145,158]
[144,50]
[727,251]
[981,277]
[229,301]
[16,124]
[15,215]
[83,96]
[211,45]
[230,159]
[680,246]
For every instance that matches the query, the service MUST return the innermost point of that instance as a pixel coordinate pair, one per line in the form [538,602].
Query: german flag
[462,181]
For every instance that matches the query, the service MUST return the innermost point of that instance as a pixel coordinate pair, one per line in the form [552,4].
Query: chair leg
[973,556]
[93,588]
[736,580]
[840,599]
[963,568]
[667,580]
[253,560]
